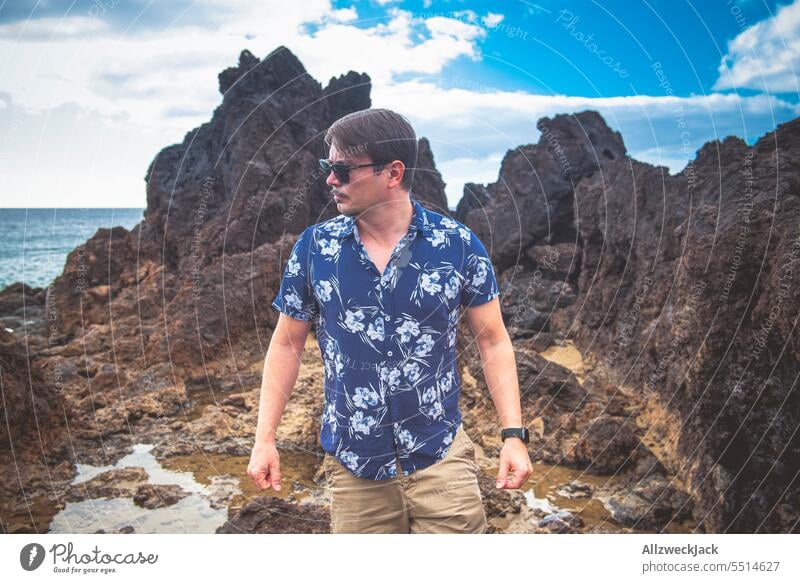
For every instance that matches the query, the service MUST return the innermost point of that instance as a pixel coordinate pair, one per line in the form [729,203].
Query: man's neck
[386,222]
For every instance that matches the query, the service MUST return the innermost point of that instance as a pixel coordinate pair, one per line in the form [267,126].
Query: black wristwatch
[521,432]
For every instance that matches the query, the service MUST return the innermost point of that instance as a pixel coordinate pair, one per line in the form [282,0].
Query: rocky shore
[653,317]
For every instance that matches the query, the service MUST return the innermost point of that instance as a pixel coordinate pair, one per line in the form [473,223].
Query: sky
[91,90]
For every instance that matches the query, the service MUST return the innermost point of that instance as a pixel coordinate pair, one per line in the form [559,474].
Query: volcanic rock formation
[679,291]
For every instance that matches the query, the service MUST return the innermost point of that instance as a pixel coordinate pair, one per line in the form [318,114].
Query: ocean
[35,242]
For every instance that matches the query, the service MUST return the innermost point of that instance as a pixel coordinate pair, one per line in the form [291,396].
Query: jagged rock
[498,502]
[115,483]
[428,185]
[682,314]
[575,489]
[231,75]
[348,93]
[30,405]
[683,295]
[528,300]
[271,515]
[652,503]
[540,342]
[94,274]
[605,444]
[153,496]
[15,298]
[559,262]
[476,196]
[532,201]
[562,522]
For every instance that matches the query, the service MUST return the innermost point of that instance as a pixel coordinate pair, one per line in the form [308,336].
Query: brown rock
[270,515]
[153,496]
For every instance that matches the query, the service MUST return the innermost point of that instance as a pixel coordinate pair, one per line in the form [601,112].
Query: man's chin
[345,209]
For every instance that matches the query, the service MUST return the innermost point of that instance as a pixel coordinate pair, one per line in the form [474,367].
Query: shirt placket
[387,301]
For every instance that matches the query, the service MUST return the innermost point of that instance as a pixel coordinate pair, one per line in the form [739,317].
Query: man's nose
[332,180]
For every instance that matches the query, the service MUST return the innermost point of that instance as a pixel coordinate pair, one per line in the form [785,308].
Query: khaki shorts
[441,498]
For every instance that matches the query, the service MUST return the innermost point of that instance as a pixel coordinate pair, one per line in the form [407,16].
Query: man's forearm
[500,371]
[281,366]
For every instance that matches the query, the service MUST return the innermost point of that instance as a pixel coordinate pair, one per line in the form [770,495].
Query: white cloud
[53,29]
[466,129]
[142,76]
[491,19]
[466,15]
[458,171]
[388,49]
[71,157]
[140,92]
[765,56]
[345,14]
[659,157]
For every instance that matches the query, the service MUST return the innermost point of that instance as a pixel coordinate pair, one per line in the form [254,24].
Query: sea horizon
[36,241]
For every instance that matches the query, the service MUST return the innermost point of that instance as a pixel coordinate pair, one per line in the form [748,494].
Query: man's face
[366,187]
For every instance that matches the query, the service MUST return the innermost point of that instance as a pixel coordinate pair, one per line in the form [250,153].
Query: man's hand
[264,467]
[514,459]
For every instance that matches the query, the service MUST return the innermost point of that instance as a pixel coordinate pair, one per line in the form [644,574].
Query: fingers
[275,474]
[265,471]
[502,475]
[516,479]
[510,478]
[265,478]
[259,477]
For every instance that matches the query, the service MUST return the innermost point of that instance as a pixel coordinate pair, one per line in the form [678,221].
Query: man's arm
[281,366]
[500,370]
[497,357]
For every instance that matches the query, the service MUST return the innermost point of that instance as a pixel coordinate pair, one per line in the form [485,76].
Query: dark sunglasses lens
[341,171]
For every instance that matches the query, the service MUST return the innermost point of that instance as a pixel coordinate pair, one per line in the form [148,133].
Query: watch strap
[521,432]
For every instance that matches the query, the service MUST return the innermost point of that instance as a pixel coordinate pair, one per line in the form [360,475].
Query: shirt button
[387,318]
[389,353]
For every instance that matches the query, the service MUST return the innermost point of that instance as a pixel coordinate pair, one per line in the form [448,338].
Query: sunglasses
[342,171]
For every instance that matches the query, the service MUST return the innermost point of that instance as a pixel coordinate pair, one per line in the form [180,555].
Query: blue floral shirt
[388,339]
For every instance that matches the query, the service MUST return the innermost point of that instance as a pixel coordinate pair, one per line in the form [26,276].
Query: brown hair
[382,134]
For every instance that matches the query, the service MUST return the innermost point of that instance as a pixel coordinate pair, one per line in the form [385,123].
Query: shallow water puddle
[548,489]
[192,514]
[217,484]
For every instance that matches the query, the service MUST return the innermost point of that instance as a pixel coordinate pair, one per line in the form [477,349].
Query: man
[385,281]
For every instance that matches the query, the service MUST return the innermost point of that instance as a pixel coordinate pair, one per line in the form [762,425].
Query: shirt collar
[420,220]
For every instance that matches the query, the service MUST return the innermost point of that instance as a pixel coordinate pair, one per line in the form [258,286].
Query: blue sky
[91,90]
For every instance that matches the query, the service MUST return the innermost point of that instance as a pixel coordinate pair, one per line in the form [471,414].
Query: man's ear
[397,169]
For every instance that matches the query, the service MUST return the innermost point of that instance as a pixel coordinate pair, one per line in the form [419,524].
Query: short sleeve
[295,297]
[480,282]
